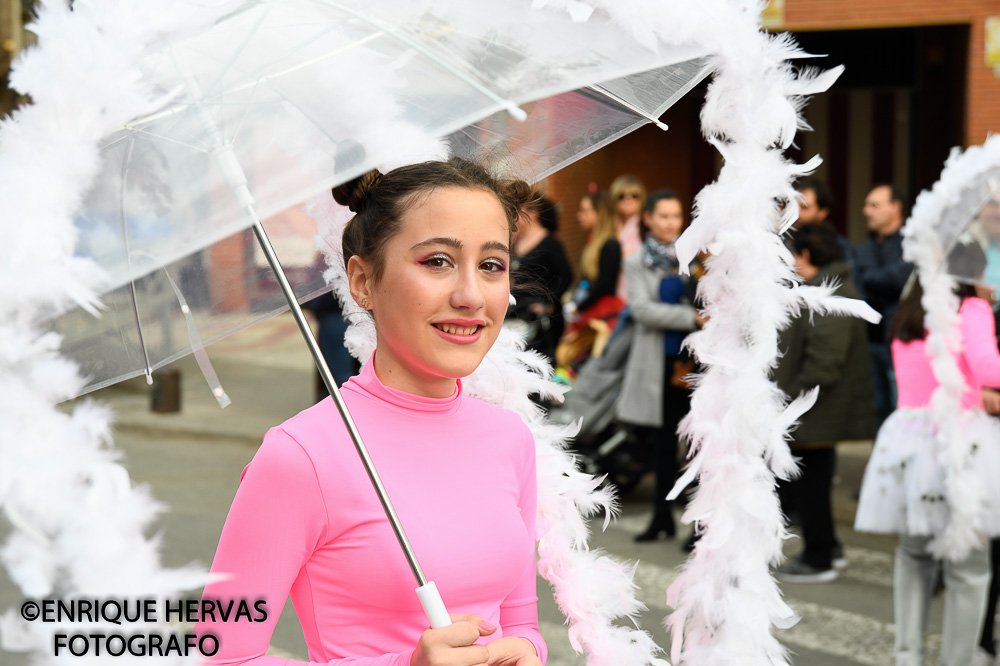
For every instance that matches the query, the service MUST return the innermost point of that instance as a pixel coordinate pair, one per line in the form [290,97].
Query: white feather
[78,524]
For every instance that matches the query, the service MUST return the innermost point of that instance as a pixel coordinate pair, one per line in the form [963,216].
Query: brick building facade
[916,84]
[982,97]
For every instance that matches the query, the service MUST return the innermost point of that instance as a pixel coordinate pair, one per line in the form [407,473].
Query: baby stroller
[605,446]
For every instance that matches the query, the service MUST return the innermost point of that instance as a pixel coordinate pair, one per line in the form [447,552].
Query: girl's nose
[468,292]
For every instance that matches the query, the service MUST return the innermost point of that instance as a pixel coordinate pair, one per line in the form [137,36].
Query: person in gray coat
[662,307]
[830,352]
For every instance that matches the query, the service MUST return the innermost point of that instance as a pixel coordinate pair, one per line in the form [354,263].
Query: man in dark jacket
[830,352]
[880,274]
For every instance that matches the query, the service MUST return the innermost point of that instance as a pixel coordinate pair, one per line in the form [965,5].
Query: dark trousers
[988,641]
[811,496]
[662,441]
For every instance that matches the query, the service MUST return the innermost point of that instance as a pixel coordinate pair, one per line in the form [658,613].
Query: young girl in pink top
[427,256]
[903,487]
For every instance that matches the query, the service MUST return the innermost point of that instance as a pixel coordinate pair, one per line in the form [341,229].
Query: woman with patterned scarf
[654,396]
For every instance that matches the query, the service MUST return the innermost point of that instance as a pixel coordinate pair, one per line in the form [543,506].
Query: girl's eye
[435,261]
[494,266]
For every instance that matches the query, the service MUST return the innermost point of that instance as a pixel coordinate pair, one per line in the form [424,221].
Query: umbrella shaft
[338,400]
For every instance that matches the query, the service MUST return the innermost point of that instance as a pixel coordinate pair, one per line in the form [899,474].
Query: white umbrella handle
[434,608]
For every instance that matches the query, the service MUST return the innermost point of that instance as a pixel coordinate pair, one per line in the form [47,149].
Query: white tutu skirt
[903,487]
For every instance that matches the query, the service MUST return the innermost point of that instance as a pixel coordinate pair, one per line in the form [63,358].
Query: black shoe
[657,527]
[797,571]
[837,556]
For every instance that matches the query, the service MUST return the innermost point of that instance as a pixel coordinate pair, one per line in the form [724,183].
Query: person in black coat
[831,352]
[542,273]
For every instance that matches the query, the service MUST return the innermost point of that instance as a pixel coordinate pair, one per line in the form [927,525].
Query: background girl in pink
[427,255]
[903,488]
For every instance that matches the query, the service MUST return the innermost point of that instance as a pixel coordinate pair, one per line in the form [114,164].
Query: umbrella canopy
[291,98]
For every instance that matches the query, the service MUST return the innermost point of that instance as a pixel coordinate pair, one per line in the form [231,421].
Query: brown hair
[908,324]
[604,230]
[380,201]
[821,241]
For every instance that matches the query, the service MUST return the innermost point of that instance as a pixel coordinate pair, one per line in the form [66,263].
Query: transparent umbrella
[974,217]
[266,100]
[278,101]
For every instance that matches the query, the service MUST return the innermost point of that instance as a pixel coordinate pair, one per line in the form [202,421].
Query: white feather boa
[964,493]
[725,601]
[78,523]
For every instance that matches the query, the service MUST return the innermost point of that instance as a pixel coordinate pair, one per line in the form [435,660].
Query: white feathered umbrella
[278,74]
[725,600]
[939,217]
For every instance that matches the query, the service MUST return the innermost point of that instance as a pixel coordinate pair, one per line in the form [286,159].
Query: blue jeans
[883,380]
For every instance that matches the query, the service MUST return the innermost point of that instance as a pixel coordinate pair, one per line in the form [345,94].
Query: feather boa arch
[923,244]
[78,523]
[84,85]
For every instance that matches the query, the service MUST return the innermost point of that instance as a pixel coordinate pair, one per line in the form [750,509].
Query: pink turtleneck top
[979,360]
[306,522]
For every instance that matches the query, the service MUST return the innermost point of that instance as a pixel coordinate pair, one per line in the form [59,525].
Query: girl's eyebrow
[440,240]
[494,246]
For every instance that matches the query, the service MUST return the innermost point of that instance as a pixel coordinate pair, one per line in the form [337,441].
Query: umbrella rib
[165,113]
[601,90]
[302,65]
[246,112]
[162,139]
[255,84]
[128,261]
[265,80]
[512,108]
[235,54]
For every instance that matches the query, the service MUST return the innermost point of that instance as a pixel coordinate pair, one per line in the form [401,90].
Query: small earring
[365,303]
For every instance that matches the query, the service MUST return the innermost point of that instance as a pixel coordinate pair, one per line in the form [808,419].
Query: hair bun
[354,193]
[520,193]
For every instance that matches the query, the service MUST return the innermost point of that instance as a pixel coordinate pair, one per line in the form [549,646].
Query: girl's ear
[359,279]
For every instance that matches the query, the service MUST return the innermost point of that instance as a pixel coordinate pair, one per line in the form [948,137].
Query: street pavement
[192,460]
